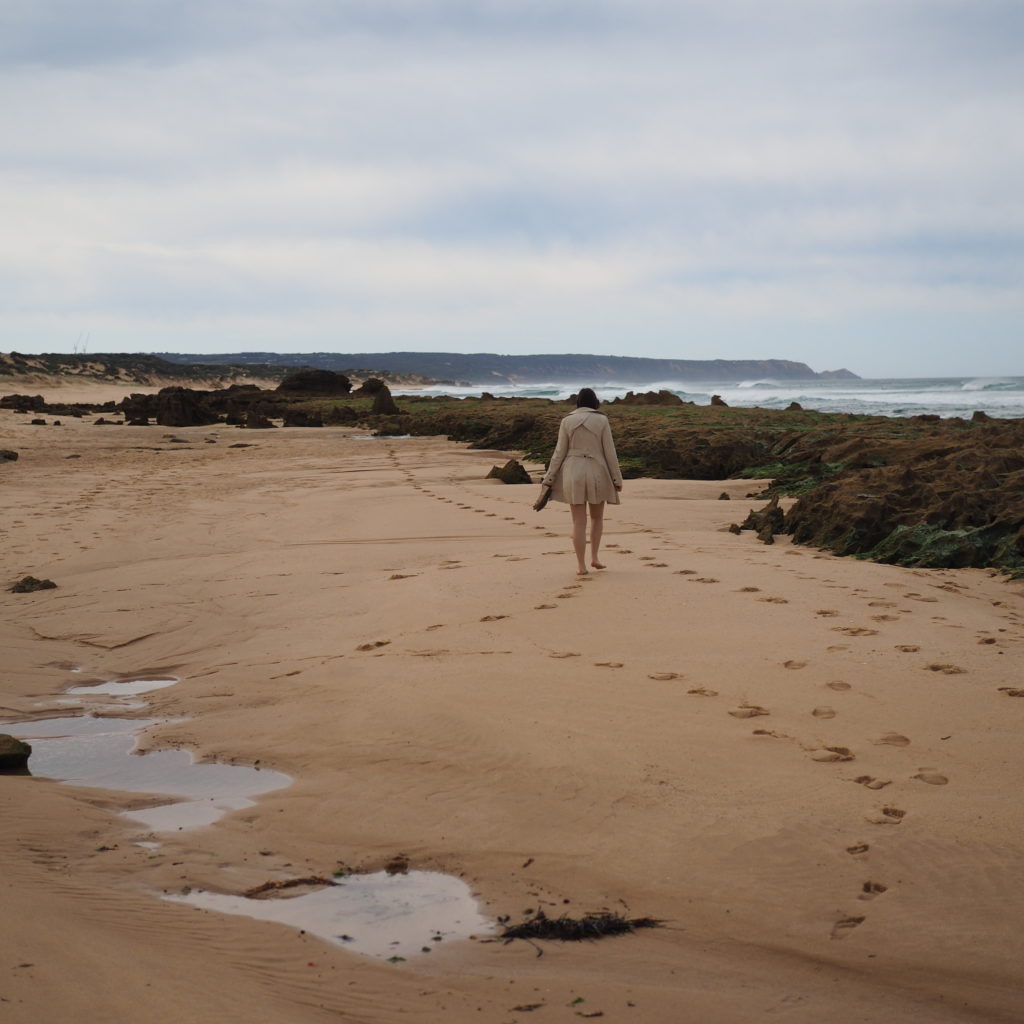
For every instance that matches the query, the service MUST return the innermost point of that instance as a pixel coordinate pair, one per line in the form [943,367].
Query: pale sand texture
[513,713]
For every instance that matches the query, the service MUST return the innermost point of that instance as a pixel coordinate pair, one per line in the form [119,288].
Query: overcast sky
[834,181]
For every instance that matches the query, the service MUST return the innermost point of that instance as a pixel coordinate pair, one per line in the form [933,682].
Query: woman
[584,471]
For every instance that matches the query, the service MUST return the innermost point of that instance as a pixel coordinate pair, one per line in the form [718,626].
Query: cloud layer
[832,182]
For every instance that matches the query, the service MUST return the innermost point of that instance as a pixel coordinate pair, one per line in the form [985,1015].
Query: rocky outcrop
[383,403]
[14,755]
[334,415]
[719,401]
[511,473]
[315,383]
[301,418]
[23,403]
[662,397]
[938,502]
[256,420]
[766,522]
[183,407]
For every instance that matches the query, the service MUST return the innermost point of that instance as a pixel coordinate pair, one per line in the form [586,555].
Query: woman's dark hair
[588,398]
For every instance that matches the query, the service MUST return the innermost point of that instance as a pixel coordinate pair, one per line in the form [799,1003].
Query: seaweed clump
[575,929]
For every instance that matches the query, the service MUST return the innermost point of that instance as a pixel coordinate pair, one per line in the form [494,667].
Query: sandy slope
[511,716]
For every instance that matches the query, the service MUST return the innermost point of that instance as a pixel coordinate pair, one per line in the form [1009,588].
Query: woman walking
[584,472]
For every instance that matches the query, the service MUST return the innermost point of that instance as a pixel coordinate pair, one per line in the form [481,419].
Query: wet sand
[806,766]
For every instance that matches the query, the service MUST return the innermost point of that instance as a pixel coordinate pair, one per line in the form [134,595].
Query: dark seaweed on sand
[572,929]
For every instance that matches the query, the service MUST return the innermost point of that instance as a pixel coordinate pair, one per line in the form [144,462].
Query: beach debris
[511,473]
[6,455]
[592,926]
[269,890]
[14,755]
[29,585]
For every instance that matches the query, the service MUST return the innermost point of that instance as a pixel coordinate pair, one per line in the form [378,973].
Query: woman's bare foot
[583,572]
[598,565]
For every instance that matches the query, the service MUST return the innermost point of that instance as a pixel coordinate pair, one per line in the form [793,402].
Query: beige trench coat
[584,466]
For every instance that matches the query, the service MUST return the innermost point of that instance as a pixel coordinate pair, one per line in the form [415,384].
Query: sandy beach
[807,767]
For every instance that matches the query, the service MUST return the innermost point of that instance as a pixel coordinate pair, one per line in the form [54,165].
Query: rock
[29,585]
[183,407]
[302,418]
[255,420]
[369,387]
[735,528]
[315,382]
[138,421]
[766,521]
[794,407]
[101,422]
[718,400]
[980,416]
[37,423]
[383,403]
[6,455]
[14,755]
[725,496]
[511,473]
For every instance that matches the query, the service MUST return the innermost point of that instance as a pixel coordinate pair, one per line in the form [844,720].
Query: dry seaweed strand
[288,883]
[572,929]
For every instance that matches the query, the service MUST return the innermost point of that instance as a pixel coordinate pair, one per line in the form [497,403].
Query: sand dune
[806,766]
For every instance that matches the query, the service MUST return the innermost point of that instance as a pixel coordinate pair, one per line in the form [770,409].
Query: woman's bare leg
[596,532]
[579,536]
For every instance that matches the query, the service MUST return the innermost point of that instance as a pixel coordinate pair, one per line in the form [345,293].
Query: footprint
[705,579]
[703,691]
[749,590]
[946,669]
[889,816]
[855,630]
[492,618]
[872,889]
[872,783]
[932,777]
[885,618]
[838,685]
[827,613]
[844,926]
[373,646]
[563,654]
[660,565]
[436,625]
[544,607]
[987,640]
[608,664]
[857,849]
[774,600]
[664,676]
[827,754]
[749,711]
[402,576]
[881,604]
[561,597]
[908,648]
[1011,691]
[824,712]
[794,664]
[647,558]
[892,739]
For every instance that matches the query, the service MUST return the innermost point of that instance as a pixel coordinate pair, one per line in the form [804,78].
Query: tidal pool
[88,750]
[378,915]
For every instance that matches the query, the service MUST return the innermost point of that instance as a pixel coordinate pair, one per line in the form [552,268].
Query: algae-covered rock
[14,755]
[29,585]
[511,473]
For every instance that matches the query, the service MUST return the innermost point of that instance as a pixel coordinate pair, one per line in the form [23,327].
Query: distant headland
[490,368]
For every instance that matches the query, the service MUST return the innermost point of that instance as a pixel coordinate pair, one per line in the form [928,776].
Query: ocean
[1002,397]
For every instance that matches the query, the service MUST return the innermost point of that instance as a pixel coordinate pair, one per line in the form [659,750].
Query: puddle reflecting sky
[382,915]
